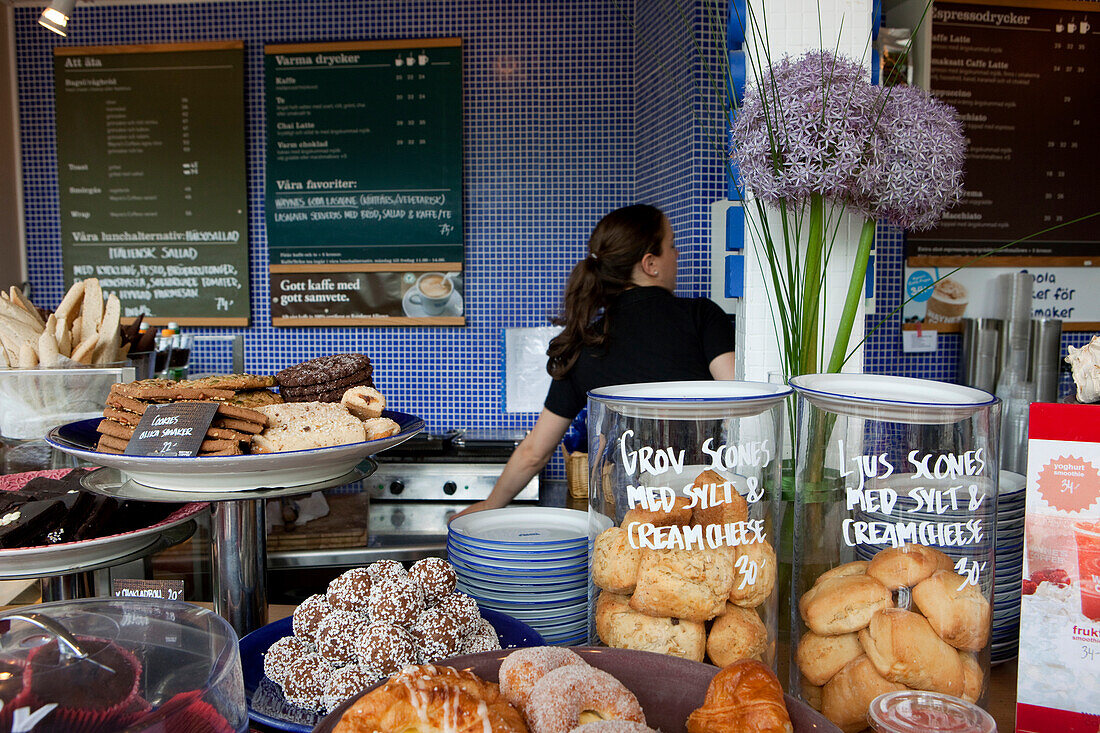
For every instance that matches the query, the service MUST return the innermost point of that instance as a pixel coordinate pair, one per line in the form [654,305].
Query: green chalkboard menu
[364,182]
[152,179]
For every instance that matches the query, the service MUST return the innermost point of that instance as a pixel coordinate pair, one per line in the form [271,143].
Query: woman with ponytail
[621,324]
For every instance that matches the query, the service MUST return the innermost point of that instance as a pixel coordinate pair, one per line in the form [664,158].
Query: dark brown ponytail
[620,240]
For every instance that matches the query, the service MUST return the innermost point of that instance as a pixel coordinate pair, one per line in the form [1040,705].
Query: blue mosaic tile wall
[572,108]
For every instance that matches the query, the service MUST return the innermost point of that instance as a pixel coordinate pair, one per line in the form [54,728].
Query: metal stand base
[239,549]
[68,587]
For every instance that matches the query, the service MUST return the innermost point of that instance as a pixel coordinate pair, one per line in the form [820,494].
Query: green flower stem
[811,285]
[855,293]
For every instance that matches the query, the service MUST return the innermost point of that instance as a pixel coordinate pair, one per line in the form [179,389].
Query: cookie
[233,450]
[255,398]
[242,426]
[364,402]
[233,412]
[235,382]
[332,395]
[101,448]
[123,402]
[115,429]
[121,416]
[171,392]
[322,369]
[110,441]
[362,376]
[226,434]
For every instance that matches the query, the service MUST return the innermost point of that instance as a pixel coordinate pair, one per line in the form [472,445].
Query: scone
[843,604]
[847,696]
[679,514]
[905,566]
[305,425]
[737,634]
[621,627]
[686,584]
[956,610]
[820,657]
[735,510]
[905,649]
[614,562]
[859,567]
[761,556]
[973,678]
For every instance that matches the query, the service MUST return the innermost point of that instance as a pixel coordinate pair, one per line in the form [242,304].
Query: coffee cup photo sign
[175,429]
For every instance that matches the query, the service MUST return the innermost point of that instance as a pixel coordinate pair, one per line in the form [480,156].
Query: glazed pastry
[575,694]
[429,698]
[745,696]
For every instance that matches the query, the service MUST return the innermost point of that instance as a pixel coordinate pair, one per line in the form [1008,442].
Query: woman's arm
[527,459]
[721,366]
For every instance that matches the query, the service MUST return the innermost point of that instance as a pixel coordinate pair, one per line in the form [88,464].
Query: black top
[655,337]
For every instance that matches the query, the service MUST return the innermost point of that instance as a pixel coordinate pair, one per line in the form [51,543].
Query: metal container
[980,357]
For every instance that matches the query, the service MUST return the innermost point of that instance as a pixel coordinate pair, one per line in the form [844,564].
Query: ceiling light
[56,16]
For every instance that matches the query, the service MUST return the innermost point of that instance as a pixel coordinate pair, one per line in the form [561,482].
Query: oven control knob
[396,487]
[450,488]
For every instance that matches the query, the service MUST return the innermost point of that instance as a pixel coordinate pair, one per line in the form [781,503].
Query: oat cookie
[255,398]
[235,382]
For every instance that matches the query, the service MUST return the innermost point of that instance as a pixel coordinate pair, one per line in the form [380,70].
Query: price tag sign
[168,590]
[174,429]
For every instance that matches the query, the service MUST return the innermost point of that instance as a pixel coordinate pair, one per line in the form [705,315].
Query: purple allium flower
[804,129]
[915,168]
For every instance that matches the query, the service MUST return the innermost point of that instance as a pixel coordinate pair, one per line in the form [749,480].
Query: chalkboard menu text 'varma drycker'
[364,183]
[152,179]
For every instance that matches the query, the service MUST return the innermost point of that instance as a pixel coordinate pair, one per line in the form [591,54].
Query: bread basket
[576,472]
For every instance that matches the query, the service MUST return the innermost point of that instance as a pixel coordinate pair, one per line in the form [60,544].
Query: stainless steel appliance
[416,489]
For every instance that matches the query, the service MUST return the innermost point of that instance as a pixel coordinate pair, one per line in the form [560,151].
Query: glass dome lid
[688,400]
[897,399]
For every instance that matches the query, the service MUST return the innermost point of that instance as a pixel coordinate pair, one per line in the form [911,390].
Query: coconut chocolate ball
[306,679]
[308,615]
[436,578]
[395,600]
[280,654]
[480,641]
[345,683]
[350,591]
[336,635]
[385,569]
[384,649]
[463,608]
[438,633]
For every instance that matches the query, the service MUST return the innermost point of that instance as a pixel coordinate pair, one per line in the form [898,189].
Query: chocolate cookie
[332,395]
[323,369]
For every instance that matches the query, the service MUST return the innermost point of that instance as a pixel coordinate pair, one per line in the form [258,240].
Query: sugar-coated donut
[521,669]
[575,694]
[613,726]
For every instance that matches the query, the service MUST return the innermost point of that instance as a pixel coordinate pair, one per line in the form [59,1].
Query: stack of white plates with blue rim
[1009,575]
[530,563]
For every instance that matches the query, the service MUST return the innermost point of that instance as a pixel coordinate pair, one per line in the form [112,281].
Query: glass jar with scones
[895,516]
[684,487]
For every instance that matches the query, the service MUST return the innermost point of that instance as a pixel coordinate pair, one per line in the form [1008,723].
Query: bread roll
[973,677]
[905,566]
[621,627]
[737,634]
[735,510]
[841,605]
[904,649]
[679,514]
[744,593]
[811,693]
[820,657]
[614,562]
[745,696]
[847,696]
[956,610]
[686,584]
[859,567]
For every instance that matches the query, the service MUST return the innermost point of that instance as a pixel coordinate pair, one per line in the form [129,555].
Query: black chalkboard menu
[364,182]
[152,179]
[1024,78]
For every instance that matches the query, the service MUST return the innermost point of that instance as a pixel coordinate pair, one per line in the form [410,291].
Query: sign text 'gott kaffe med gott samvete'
[364,182]
[152,180]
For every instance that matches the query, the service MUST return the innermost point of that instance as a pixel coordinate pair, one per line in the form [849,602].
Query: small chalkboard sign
[168,590]
[174,429]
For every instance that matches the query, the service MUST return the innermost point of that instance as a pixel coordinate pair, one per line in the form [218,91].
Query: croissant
[744,697]
[429,699]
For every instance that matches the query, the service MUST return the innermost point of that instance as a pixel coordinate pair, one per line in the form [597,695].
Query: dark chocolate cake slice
[28,523]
